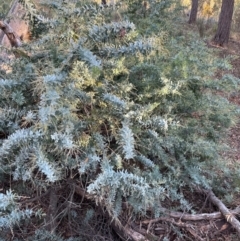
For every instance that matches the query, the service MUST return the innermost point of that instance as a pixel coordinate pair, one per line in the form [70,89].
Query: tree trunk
[193,14]
[16,27]
[224,23]
[2,34]
[13,38]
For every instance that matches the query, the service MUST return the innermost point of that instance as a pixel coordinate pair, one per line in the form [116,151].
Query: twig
[179,224]
[50,218]
[204,204]
[35,198]
[187,226]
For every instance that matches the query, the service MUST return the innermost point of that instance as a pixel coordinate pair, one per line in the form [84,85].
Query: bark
[193,14]
[224,23]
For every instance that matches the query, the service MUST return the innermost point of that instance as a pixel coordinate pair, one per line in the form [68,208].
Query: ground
[233,137]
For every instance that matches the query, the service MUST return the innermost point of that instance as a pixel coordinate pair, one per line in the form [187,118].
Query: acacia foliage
[118,101]
[4,8]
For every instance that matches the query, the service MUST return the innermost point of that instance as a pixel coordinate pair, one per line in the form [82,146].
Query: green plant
[130,119]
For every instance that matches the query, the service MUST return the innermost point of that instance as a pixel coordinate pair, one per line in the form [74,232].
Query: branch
[190,217]
[228,215]
[127,231]
[117,226]
[31,200]
[14,39]
[135,235]
[171,216]
[51,214]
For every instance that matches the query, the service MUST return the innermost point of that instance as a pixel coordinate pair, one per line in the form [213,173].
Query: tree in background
[193,13]
[224,23]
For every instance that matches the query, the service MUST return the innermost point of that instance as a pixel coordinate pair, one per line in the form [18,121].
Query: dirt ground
[233,137]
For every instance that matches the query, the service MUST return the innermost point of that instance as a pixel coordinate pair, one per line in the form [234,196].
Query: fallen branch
[14,39]
[135,236]
[171,217]
[119,228]
[190,217]
[228,215]
[31,200]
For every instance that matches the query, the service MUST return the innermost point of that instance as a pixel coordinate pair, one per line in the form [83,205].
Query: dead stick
[135,236]
[14,39]
[51,214]
[225,212]
[229,215]
[190,217]
[182,216]
[117,226]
